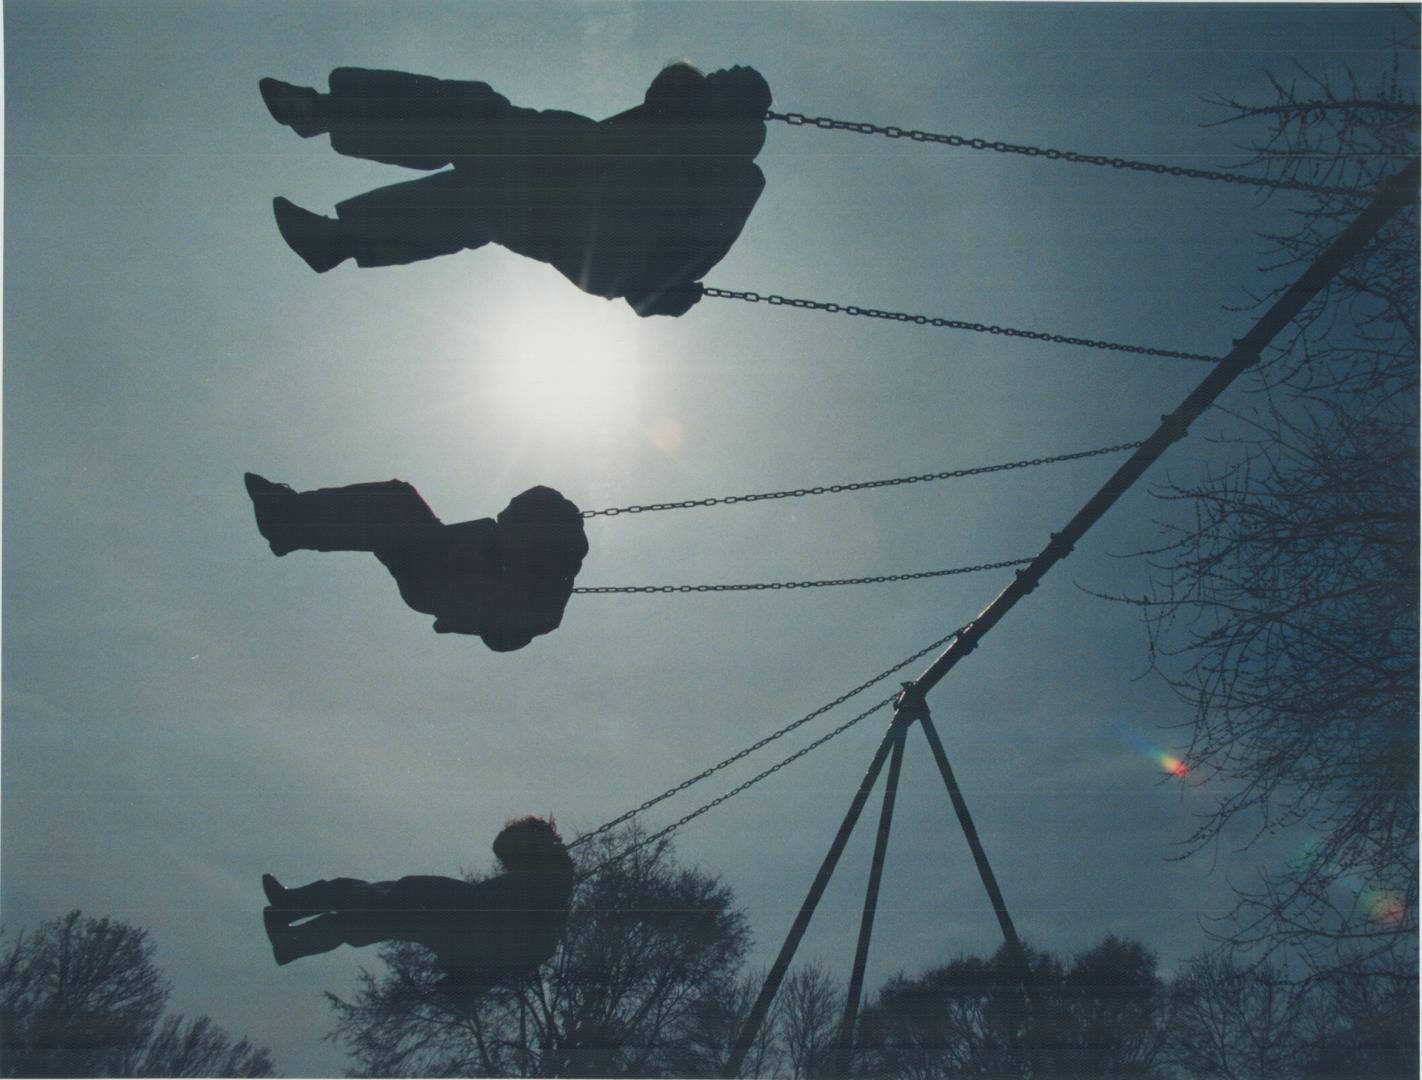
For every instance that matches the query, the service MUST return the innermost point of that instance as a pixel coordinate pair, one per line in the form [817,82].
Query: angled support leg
[807,909]
[965,819]
[845,1050]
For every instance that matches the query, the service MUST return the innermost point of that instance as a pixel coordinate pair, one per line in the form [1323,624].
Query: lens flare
[1307,857]
[1168,762]
[1385,905]
[667,434]
[1171,764]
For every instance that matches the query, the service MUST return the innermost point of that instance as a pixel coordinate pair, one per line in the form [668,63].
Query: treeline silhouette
[650,980]
[82,997]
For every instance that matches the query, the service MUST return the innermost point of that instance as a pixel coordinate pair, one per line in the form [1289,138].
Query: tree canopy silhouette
[1234,1021]
[82,997]
[1284,609]
[1105,1014]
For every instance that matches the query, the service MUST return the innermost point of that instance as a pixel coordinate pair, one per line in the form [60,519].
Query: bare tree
[1114,1013]
[179,1046]
[1285,602]
[1106,1014]
[793,1042]
[82,997]
[649,946]
[710,1028]
[1360,1023]
[811,1003]
[1236,1022]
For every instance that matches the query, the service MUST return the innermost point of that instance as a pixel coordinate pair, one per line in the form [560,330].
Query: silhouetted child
[482,934]
[505,580]
[640,205]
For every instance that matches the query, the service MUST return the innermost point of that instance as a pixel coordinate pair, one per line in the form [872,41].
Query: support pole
[845,1048]
[970,832]
[965,819]
[807,909]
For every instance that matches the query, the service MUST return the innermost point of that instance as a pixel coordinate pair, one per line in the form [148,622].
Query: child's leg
[340,907]
[359,517]
[419,219]
[449,574]
[318,935]
[411,120]
[349,911]
[367,912]
[328,894]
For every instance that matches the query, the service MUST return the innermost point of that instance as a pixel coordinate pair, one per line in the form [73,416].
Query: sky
[183,712]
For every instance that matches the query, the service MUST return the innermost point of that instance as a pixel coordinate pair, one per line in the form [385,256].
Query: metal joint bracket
[1028,579]
[1175,426]
[1059,547]
[909,704]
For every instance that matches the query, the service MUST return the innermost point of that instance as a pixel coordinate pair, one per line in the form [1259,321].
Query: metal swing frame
[1397,191]
[909,708]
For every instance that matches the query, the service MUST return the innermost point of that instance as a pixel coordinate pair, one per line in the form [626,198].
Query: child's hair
[534,820]
[532,843]
[674,87]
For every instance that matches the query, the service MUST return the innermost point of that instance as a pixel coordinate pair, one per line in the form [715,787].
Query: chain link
[825,123]
[654,837]
[955,324]
[630,814]
[761,586]
[835,489]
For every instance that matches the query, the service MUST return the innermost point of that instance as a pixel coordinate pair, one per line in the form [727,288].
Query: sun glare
[575,366]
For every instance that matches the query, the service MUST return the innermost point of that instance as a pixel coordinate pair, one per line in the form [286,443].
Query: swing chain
[825,123]
[772,585]
[835,489]
[585,837]
[654,837]
[957,324]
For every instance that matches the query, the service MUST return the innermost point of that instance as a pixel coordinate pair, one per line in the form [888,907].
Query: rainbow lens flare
[1385,905]
[1171,764]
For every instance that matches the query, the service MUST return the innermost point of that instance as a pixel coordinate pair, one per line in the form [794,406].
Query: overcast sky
[182,711]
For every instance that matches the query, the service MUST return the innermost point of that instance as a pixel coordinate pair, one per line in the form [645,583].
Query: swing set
[910,704]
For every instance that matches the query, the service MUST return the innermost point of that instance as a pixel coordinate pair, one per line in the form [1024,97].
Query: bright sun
[573,366]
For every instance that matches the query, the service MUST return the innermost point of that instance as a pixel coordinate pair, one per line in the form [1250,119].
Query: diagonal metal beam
[965,819]
[1396,192]
[844,1050]
[812,899]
